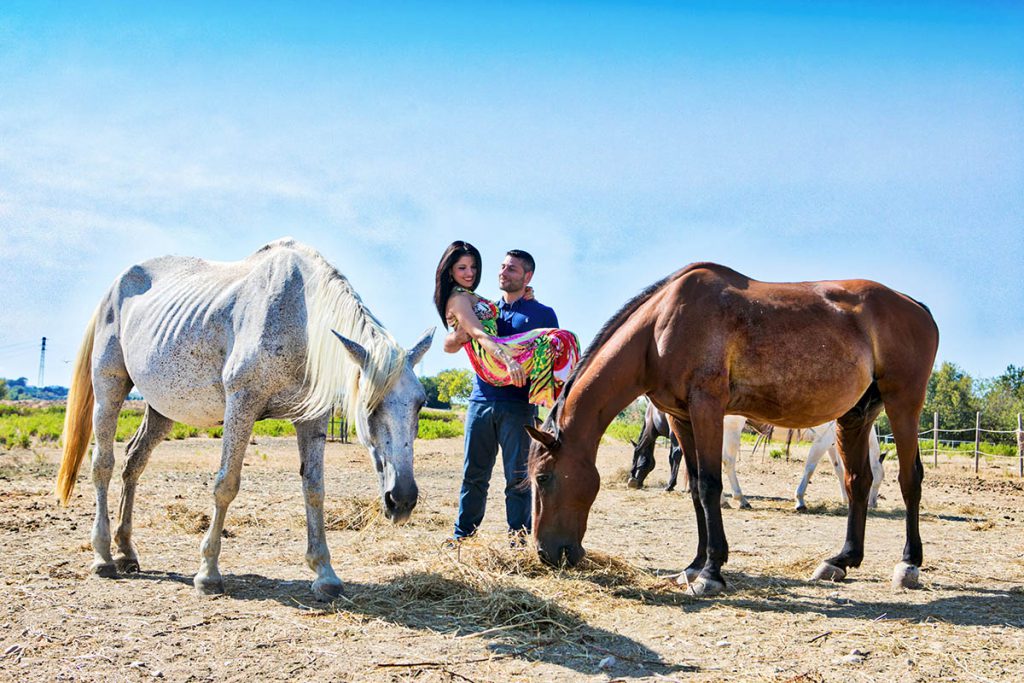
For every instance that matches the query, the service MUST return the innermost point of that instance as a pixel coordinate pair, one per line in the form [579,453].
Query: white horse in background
[824,440]
[209,343]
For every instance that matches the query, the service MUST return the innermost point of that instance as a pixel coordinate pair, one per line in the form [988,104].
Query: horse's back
[186,326]
[794,353]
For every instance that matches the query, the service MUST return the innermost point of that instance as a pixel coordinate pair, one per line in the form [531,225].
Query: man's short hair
[528,263]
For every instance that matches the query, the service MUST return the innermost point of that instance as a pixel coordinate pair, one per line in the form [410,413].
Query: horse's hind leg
[312,437]
[904,428]
[852,431]
[111,385]
[151,432]
[239,417]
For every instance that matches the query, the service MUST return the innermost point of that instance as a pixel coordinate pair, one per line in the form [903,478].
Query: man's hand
[455,341]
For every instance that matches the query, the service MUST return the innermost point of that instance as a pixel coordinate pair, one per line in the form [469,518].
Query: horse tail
[77,417]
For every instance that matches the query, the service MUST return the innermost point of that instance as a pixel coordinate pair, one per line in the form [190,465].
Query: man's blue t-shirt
[519,316]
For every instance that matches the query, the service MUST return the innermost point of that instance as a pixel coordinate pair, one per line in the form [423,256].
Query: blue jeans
[490,424]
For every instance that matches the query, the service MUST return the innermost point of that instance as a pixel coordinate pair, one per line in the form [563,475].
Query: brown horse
[707,341]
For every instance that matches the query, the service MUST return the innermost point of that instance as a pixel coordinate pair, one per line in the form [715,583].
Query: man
[497,416]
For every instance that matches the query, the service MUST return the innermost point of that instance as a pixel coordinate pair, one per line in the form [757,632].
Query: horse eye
[543,478]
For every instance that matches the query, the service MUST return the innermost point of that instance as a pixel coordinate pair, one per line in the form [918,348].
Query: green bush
[624,431]
[439,429]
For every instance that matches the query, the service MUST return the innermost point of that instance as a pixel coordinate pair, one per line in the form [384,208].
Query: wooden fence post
[1020,448]
[935,440]
[977,439]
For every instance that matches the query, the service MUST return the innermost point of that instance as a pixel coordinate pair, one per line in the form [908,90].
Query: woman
[545,357]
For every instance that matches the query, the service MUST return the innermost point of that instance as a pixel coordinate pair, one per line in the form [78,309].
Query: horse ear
[633,442]
[549,441]
[416,352]
[357,352]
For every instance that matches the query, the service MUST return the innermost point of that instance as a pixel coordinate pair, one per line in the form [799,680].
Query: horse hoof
[208,586]
[633,484]
[828,572]
[703,587]
[670,488]
[906,576]
[326,590]
[127,565]
[104,570]
[725,505]
[800,507]
[745,504]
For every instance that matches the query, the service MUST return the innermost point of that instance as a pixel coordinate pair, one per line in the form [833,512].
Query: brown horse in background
[707,341]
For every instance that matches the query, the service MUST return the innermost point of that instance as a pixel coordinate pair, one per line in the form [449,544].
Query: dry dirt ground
[415,611]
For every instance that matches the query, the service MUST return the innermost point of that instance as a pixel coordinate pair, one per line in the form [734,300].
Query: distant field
[23,425]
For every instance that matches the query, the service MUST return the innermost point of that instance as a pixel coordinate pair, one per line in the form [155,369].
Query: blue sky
[615,141]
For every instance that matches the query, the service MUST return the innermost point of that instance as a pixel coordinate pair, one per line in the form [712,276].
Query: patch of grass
[439,429]
[352,514]
[623,431]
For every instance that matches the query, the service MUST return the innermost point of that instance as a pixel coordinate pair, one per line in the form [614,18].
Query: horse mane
[605,333]
[331,373]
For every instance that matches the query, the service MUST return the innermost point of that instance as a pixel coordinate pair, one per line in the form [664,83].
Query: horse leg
[151,432]
[732,439]
[675,455]
[813,458]
[684,430]
[312,438]
[904,428]
[706,416]
[239,417]
[877,471]
[852,431]
[111,385]
[837,465]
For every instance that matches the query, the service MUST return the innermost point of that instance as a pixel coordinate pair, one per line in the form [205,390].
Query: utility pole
[42,363]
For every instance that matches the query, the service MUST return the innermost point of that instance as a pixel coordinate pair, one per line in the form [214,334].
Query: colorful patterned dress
[546,354]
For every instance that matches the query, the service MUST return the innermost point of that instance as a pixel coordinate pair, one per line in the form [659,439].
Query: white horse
[210,343]
[824,440]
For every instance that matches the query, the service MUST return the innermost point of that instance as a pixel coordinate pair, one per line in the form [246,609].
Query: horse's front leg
[732,439]
[239,417]
[684,431]
[312,437]
[675,456]
[706,417]
[877,471]
[818,448]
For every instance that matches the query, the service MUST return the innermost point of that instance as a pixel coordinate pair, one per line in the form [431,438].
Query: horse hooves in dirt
[828,572]
[906,576]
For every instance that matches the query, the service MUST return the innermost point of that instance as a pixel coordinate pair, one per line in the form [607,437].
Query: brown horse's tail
[78,417]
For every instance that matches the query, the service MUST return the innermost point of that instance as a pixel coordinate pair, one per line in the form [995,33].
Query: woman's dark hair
[443,282]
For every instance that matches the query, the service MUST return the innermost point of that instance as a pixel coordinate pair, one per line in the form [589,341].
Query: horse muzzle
[560,554]
[399,502]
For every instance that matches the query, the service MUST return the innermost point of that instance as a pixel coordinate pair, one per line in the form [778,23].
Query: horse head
[565,484]
[643,462]
[389,429]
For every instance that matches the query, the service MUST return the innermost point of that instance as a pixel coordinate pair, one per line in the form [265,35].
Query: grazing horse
[707,342]
[655,425]
[210,343]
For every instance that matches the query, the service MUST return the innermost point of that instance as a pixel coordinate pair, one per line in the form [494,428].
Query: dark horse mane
[605,333]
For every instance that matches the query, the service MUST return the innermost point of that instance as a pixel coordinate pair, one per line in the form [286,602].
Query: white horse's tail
[77,417]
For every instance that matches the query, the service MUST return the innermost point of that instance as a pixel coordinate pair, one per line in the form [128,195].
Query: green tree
[454,385]
[951,395]
[432,391]
[3,389]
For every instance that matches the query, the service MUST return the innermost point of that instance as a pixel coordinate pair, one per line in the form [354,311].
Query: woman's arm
[460,307]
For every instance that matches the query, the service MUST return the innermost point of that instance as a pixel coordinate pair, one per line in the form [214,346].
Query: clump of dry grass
[983,525]
[352,514]
[187,520]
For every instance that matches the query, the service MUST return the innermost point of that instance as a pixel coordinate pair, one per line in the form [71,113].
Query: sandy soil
[415,611]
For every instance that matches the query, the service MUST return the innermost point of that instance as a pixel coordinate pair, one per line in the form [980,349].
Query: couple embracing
[521,360]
